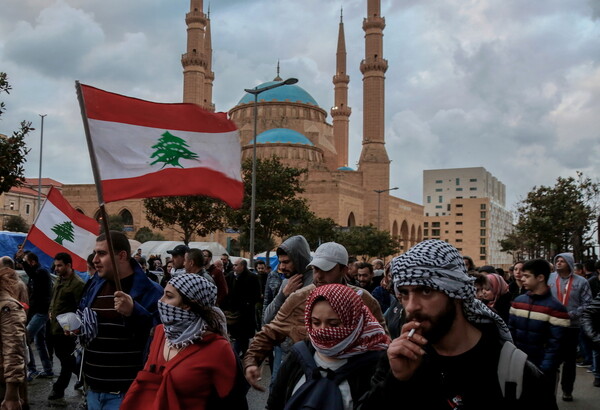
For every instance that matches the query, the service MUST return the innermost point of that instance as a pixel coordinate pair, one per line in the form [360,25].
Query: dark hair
[259,262]
[210,255]
[7,262]
[224,254]
[207,313]
[90,258]
[579,266]
[589,265]
[119,241]
[32,257]
[352,259]
[64,258]
[366,265]
[243,262]
[480,278]
[196,256]
[538,267]
[471,264]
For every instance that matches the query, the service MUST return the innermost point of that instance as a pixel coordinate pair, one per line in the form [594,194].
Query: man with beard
[448,352]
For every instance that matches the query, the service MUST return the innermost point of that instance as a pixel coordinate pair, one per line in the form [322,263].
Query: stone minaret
[197,77]
[374,162]
[340,111]
[209,75]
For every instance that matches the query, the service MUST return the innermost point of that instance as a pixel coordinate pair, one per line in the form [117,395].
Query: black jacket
[39,287]
[590,321]
[244,294]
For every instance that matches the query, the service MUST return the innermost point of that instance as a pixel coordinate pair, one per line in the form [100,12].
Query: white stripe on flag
[84,240]
[125,150]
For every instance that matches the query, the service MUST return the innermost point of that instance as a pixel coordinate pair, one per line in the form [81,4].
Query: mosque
[293,126]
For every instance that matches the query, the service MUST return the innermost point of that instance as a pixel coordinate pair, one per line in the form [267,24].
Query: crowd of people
[428,329]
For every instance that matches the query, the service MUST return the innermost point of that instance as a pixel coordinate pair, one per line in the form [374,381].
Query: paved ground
[586,395]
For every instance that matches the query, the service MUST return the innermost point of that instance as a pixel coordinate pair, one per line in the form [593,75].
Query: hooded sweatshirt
[578,294]
[297,248]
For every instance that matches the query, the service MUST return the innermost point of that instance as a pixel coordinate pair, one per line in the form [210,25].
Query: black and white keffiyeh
[183,327]
[439,266]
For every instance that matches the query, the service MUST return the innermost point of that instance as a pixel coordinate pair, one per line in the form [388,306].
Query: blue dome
[345,169]
[281,135]
[293,93]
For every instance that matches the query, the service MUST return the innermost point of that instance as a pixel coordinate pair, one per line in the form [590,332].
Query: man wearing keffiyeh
[447,355]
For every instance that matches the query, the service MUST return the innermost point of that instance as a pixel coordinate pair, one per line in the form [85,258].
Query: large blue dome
[292,93]
[281,136]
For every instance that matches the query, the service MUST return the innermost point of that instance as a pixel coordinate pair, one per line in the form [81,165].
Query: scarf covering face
[183,327]
[359,331]
[498,286]
[439,266]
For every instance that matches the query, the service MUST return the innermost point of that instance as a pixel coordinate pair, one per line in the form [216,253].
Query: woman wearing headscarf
[497,296]
[191,364]
[344,339]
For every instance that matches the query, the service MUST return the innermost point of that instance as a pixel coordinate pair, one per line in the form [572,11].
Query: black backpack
[322,392]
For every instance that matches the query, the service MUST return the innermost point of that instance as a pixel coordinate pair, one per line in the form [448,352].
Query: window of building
[459,197]
[459,240]
[482,250]
[483,214]
[473,188]
[473,180]
[457,181]
[428,199]
[425,232]
[435,232]
[482,224]
[448,207]
[472,196]
[482,206]
[459,223]
[438,207]
[482,232]
[447,223]
[426,224]
[459,249]
[459,214]
[482,258]
[459,205]
[435,224]
[459,189]
[440,199]
[27,208]
[12,206]
[438,190]
[482,241]
[439,181]
[458,232]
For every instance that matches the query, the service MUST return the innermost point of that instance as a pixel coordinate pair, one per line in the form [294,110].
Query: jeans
[585,347]
[36,331]
[104,401]
[277,356]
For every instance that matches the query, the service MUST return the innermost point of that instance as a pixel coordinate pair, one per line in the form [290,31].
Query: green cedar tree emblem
[170,149]
[64,231]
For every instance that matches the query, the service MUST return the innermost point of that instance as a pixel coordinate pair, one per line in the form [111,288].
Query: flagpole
[98,183]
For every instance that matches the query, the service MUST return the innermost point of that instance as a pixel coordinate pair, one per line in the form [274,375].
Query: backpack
[323,392]
[511,366]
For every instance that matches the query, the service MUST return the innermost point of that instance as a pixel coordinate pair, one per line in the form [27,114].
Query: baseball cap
[178,250]
[328,255]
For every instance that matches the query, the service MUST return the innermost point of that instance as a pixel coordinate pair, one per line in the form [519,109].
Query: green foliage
[556,219]
[13,150]
[64,232]
[170,149]
[187,215]
[145,234]
[368,241]
[317,230]
[16,223]
[115,223]
[279,211]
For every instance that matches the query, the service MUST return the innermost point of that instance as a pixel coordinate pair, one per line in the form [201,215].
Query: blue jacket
[144,292]
[538,324]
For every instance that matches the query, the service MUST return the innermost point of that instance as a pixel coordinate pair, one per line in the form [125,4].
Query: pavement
[586,396]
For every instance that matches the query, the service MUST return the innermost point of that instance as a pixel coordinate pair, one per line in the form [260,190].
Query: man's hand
[293,284]
[19,254]
[123,303]
[252,374]
[406,353]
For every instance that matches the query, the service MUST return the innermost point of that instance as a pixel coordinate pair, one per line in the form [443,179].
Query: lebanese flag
[145,149]
[60,228]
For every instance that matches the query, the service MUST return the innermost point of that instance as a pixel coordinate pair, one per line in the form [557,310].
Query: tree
[558,219]
[16,223]
[145,234]
[187,215]
[13,150]
[368,241]
[115,223]
[279,211]
[317,230]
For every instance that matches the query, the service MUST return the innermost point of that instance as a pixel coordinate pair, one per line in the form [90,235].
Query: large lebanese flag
[145,149]
[60,228]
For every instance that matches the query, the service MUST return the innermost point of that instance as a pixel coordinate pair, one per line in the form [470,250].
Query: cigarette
[411,333]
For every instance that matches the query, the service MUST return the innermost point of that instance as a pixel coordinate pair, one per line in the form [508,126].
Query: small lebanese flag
[145,149]
[60,228]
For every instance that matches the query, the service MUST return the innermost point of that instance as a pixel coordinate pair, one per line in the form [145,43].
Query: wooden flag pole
[97,180]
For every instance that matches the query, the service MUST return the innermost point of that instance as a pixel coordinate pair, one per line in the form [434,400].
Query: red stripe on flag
[51,248]
[79,219]
[176,181]
[106,106]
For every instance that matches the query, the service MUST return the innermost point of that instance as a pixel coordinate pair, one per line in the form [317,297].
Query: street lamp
[379,192]
[40,175]
[255,91]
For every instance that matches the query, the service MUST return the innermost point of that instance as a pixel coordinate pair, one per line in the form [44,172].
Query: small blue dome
[281,135]
[293,93]
[345,169]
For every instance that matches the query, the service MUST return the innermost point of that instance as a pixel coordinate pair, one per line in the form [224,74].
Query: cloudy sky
[510,85]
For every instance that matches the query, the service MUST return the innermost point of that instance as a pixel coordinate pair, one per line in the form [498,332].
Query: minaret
[195,61]
[374,162]
[209,75]
[340,111]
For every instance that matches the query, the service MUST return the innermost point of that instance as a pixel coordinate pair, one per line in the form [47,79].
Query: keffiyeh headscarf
[439,266]
[359,331]
[183,327]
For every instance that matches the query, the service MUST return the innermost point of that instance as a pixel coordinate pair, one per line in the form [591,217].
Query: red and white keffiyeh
[359,331]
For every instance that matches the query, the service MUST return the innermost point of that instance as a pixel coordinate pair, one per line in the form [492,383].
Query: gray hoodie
[580,294]
[297,248]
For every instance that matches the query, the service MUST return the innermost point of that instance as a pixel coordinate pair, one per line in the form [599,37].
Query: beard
[439,325]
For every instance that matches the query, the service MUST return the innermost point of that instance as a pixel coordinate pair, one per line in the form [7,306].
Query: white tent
[161,247]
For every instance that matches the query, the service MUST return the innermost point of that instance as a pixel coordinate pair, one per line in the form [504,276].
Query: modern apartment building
[466,208]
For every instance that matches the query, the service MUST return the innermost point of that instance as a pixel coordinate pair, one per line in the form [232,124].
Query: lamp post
[379,192]
[255,91]
[40,174]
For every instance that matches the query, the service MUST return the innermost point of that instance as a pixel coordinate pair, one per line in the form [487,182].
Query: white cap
[328,255]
